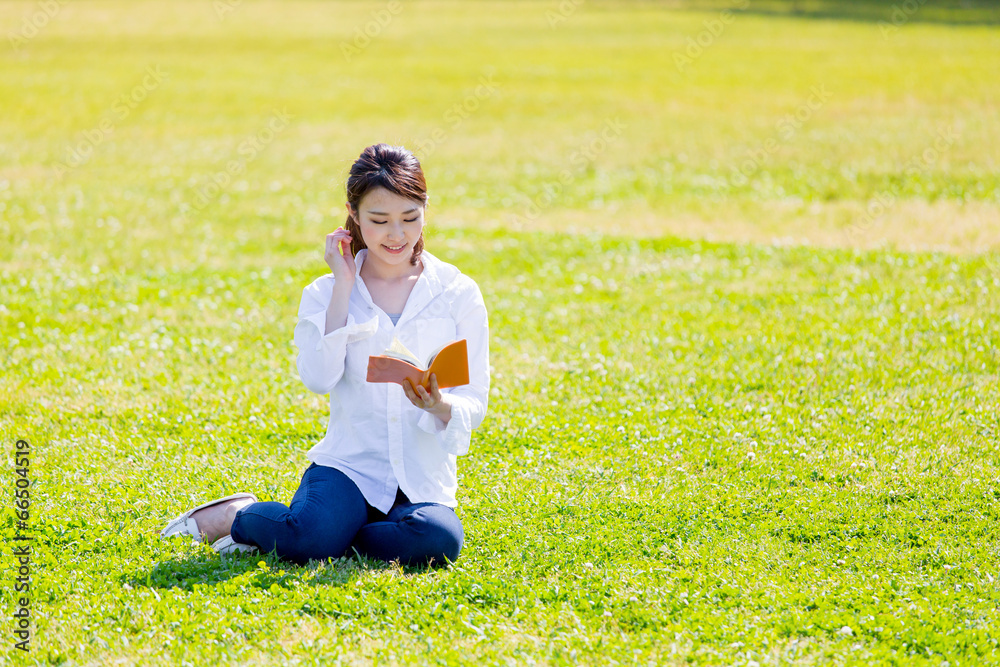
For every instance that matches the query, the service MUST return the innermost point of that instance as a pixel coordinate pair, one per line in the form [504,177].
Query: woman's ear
[350,210]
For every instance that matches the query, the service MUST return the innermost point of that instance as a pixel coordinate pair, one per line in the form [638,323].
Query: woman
[383,479]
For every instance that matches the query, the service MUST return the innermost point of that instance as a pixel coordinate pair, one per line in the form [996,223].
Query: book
[450,363]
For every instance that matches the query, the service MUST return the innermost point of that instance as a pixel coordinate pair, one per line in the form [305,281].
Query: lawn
[744,325]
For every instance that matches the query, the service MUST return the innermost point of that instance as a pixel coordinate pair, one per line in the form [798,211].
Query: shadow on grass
[260,571]
[895,13]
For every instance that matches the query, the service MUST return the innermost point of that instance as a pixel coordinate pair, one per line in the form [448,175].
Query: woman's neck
[373,269]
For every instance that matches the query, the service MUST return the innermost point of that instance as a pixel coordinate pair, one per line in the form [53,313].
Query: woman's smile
[394,249]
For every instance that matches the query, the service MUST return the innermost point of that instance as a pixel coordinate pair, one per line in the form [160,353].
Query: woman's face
[390,225]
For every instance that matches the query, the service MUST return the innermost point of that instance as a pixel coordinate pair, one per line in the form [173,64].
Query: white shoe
[226,545]
[185,523]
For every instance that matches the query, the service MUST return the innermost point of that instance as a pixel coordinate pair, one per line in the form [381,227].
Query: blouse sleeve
[321,355]
[469,401]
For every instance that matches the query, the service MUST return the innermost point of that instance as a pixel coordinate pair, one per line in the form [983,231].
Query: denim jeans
[328,516]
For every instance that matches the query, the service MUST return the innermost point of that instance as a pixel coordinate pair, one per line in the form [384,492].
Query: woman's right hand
[342,265]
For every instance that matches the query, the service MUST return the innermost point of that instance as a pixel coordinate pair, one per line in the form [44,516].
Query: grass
[674,168]
[703,447]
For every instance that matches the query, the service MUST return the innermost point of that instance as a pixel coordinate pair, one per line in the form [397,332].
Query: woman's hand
[431,400]
[342,265]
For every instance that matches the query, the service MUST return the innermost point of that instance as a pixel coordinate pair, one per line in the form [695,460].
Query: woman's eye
[379,222]
[414,220]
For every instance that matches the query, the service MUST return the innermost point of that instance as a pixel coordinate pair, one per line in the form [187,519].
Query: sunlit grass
[737,138]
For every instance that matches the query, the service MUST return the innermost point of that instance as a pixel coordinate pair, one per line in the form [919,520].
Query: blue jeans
[329,515]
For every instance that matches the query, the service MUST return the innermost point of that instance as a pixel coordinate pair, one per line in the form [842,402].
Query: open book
[449,363]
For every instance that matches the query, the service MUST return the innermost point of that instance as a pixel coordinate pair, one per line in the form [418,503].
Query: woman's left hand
[430,399]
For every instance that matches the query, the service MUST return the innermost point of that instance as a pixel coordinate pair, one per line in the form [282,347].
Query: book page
[398,351]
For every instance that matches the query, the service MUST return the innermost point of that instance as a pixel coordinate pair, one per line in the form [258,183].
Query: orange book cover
[450,364]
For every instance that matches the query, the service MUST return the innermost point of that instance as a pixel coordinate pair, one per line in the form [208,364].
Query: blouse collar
[430,283]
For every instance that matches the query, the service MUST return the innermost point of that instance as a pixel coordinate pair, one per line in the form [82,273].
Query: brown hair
[383,166]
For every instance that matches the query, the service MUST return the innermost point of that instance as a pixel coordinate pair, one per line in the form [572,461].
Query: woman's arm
[322,352]
[341,262]
[325,325]
[431,400]
[336,311]
[465,405]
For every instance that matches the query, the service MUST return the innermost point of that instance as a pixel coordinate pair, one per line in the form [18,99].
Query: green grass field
[744,322]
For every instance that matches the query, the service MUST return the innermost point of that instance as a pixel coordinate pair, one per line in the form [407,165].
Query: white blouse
[375,435]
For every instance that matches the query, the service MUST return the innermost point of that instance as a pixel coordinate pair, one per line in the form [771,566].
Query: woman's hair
[383,166]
